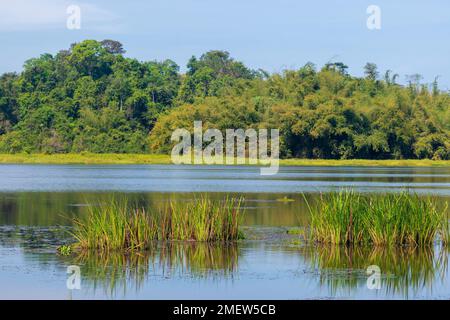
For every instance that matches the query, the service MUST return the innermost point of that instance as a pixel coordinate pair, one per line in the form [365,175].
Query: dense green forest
[92,98]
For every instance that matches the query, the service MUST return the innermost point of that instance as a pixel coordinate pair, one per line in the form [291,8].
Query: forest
[92,98]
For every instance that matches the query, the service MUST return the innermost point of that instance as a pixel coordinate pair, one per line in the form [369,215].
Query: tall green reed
[118,225]
[351,218]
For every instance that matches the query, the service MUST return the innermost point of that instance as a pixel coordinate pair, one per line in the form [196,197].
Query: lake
[38,203]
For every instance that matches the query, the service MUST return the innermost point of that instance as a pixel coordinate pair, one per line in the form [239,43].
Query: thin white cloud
[27,15]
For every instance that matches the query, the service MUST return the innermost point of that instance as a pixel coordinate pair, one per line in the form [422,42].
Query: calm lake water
[37,203]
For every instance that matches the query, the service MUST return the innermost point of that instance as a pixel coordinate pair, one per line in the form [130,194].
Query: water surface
[37,203]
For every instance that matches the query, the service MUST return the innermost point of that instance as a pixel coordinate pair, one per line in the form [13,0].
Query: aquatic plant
[296,231]
[118,225]
[351,218]
[65,250]
[285,199]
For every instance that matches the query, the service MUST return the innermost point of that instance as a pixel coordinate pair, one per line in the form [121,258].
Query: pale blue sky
[272,35]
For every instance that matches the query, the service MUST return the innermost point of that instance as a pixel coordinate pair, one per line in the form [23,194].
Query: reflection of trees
[114,271]
[404,270]
[59,208]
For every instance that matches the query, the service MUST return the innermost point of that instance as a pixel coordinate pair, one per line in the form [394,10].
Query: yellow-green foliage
[115,158]
[65,250]
[85,158]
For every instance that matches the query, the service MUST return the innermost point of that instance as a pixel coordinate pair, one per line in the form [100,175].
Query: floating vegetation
[296,231]
[118,226]
[65,250]
[34,237]
[285,199]
[296,242]
[352,218]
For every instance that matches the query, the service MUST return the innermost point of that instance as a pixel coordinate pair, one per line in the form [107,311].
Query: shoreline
[91,158]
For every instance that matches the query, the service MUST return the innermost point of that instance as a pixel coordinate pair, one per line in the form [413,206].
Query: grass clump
[117,225]
[351,218]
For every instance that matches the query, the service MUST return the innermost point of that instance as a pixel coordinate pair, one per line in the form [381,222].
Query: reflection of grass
[116,225]
[402,268]
[113,271]
[390,219]
[200,259]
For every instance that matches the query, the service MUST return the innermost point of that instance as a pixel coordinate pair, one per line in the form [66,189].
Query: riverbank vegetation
[116,158]
[350,218]
[92,98]
[116,225]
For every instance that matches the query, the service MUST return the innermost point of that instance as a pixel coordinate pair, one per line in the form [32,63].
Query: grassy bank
[352,218]
[91,158]
[86,158]
[116,225]
[366,163]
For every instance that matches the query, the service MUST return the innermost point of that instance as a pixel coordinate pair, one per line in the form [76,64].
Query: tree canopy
[91,97]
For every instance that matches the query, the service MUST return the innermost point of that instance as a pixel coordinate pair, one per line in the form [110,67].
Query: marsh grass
[351,218]
[117,225]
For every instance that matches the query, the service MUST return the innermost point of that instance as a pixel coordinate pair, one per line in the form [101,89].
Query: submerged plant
[351,218]
[117,225]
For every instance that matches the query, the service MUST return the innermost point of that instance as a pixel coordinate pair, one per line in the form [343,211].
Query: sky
[272,35]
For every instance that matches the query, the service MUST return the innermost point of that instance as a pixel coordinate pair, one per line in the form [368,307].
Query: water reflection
[114,272]
[59,208]
[405,271]
[268,267]
[36,199]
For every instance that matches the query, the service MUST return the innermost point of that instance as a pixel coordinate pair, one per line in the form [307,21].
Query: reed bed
[117,225]
[350,218]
